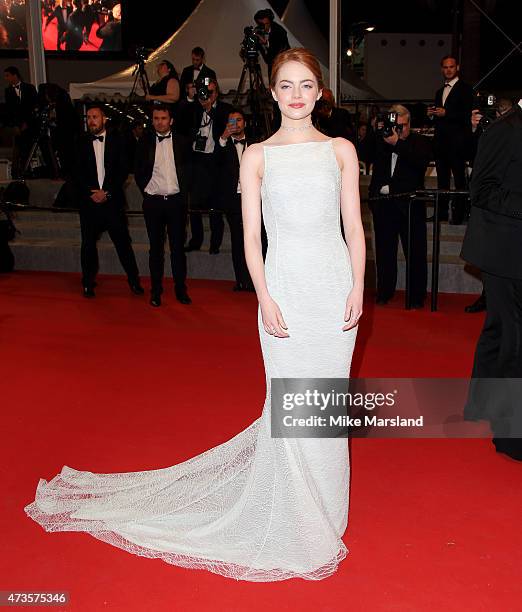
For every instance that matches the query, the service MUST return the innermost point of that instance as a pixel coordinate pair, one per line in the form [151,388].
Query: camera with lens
[202,90]
[486,104]
[250,44]
[386,123]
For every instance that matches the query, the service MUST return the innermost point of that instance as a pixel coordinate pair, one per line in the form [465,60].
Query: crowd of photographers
[210,138]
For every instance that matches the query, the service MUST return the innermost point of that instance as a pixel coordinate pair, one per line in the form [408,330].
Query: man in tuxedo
[451,113]
[100,171]
[21,100]
[400,164]
[61,13]
[493,243]
[204,121]
[232,145]
[160,171]
[273,40]
[196,72]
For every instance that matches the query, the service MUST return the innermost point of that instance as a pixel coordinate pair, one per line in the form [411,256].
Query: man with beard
[99,174]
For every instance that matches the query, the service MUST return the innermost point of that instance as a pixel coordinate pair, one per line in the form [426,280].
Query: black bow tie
[448,85]
[241,142]
[160,138]
[100,138]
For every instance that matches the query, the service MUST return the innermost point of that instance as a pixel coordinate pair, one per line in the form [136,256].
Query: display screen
[89,26]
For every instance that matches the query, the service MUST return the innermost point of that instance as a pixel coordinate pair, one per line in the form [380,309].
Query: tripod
[140,78]
[257,97]
[42,140]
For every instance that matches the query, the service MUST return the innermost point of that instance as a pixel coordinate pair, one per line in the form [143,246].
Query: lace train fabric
[254,508]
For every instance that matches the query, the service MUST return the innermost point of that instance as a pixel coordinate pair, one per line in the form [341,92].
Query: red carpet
[112,384]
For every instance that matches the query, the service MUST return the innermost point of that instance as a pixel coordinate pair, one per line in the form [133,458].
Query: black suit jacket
[228,168]
[277,42]
[146,155]
[85,176]
[187,76]
[455,127]
[414,154]
[189,118]
[493,240]
[21,110]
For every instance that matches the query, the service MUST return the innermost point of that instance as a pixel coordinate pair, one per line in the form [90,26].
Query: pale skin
[296,91]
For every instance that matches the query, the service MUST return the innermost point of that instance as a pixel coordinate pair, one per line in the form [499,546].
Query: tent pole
[334,51]
[33,15]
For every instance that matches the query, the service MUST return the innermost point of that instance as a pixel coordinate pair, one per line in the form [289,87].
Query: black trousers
[94,220]
[390,221]
[449,160]
[203,196]
[499,355]
[235,222]
[166,216]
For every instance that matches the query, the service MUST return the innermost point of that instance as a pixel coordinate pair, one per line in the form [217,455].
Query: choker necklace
[297,129]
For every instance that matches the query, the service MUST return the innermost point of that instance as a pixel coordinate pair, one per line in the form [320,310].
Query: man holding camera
[205,121]
[233,143]
[272,37]
[450,114]
[493,243]
[401,160]
[195,73]
[161,174]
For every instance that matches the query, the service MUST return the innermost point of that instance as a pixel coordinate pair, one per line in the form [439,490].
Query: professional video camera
[250,44]
[486,104]
[386,123]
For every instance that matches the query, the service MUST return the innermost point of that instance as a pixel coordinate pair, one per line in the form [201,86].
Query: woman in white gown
[255,507]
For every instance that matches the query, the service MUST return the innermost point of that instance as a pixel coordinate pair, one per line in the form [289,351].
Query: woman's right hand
[273,321]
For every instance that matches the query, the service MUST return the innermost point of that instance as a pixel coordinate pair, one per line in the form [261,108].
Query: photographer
[479,122]
[195,73]
[272,37]
[166,89]
[110,32]
[21,101]
[450,114]
[493,243]
[204,122]
[401,160]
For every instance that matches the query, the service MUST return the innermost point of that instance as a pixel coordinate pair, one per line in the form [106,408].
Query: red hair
[301,55]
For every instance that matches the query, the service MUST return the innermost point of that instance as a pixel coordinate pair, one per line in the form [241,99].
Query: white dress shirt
[99,152]
[205,129]
[240,150]
[164,179]
[18,89]
[385,189]
[195,74]
[447,88]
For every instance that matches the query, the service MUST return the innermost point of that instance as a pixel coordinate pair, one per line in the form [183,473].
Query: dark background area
[150,30]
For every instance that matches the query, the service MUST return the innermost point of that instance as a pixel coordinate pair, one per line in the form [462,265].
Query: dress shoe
[191,247]
[183,297]
[479,305]
[417,304]
[443,216]
[88,292]
[136,288]
[155,299]
[380,301]
[213,251]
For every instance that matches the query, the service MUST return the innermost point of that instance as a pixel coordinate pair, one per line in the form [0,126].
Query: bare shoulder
[345,152]
[252,157]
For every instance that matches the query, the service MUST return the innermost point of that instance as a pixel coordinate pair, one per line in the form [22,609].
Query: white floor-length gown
[255,507]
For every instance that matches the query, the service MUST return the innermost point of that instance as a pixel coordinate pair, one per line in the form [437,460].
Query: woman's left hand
[354,308]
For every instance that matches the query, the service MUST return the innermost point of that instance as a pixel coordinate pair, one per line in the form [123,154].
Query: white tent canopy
[219,30]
